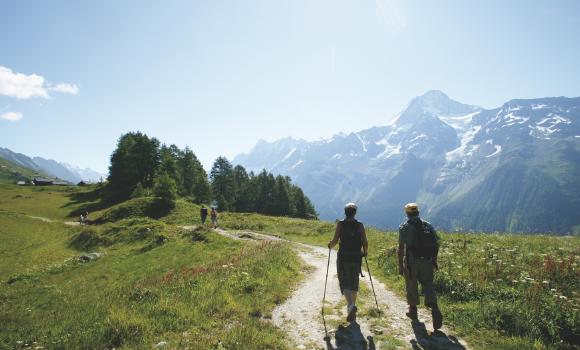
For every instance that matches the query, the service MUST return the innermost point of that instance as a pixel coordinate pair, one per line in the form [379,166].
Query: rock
[90,256]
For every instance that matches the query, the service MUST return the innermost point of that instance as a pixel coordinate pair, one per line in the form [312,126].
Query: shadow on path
[351,338]
[436,340]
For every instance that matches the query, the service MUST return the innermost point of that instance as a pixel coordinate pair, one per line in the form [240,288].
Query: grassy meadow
[159,282]
[155,282]
[499,291]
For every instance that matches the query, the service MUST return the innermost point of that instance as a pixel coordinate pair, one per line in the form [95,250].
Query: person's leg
[412,289]
[348,296]
[427,273]
[425,277]
[353,270]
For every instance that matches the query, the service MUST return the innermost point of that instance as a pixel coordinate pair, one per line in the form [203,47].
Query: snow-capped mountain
[85,174]
[51,167]
[456,160]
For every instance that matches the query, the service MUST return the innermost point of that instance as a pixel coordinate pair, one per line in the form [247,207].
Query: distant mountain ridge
[51,167]
[513,168]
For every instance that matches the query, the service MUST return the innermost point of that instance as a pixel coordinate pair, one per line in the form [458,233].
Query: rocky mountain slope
[51,167]
[513,168]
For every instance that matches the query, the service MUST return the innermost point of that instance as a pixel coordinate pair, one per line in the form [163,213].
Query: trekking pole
[326,337]
[373,287]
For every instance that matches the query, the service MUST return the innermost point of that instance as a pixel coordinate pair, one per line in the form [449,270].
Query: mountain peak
[434,94]
[435,103]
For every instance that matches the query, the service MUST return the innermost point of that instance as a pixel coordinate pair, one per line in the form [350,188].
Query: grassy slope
[498,291]
[10,172]
[155,283]
[491,286]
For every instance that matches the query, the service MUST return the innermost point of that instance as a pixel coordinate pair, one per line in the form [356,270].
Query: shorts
[348,274]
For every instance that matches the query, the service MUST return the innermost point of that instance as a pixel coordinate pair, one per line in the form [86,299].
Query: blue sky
[219,75]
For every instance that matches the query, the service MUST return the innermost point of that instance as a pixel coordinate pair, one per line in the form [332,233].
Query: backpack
[350,241]
[425,244]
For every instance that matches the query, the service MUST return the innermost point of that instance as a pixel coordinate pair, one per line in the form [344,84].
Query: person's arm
[437,239]
[334,240]
[401,254]
[365,242]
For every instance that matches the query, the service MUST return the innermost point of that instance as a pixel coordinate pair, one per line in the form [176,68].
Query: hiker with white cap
[417,253]
[353,247]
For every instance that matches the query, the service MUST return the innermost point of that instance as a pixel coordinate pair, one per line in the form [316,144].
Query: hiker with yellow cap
[353,247]
[418,249]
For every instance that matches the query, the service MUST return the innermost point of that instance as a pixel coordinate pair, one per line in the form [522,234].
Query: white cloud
[11,116]
[22,86]
[65,88]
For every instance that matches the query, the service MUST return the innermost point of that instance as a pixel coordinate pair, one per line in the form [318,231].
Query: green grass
[156,282]
[195,289]
[11,172]
[498,291]
[29,244]
[53,202]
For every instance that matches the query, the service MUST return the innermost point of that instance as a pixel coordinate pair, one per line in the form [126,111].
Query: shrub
[165,188]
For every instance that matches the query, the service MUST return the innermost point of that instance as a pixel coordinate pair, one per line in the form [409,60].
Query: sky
[217,76]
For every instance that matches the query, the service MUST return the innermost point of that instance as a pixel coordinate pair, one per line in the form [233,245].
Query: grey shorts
[348,273]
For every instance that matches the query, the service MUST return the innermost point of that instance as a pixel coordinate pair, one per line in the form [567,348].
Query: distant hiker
[214,216]
[418,249]
[203,213]
[84,219]
[353,246]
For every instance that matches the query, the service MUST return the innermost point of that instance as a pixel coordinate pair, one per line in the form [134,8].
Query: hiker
[214,215]
[203,213]
[84,219]
[418,249]
[352,237]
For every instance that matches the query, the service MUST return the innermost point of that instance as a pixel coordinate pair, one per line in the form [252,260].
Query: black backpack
[425,244]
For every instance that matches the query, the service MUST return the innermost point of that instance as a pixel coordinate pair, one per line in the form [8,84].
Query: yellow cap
[411,208]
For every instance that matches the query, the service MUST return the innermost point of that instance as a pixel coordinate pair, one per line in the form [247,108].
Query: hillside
[144,283]
[155,278]
[11,172]
[513,168]
[51,167]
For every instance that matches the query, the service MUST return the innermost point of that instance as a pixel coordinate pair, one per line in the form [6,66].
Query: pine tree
[222,183]
[242,198]
[281,197]
[165,188]
[135,160]
[194,177]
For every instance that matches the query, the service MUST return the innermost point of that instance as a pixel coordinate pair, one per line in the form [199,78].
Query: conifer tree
[222,183]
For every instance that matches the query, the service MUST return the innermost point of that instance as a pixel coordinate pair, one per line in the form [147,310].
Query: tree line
[142,166]
[234,189]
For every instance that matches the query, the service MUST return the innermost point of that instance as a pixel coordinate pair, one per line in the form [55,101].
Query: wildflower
[546,282]
[563,297]
[552,290]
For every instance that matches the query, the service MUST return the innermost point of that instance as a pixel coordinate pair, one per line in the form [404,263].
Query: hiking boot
[437,317]
[351,314]
[412,313]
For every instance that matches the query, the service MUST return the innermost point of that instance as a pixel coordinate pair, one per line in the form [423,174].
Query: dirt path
[300,315]
[43,219]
